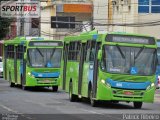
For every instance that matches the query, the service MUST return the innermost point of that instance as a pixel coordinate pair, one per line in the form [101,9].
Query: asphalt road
[43,104]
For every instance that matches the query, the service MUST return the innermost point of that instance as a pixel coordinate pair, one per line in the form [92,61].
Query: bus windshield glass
[158,55]
[129,60]
[44,57]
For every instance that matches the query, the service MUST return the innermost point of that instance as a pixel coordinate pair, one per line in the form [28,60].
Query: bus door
[15,64]
[65,54]
[82,56]
[91,58]
[95,68]
[23,65]
[5,62]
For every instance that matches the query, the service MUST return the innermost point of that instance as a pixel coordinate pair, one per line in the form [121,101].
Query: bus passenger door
[95,69]
[23,64]
[80,80]
[92,61]
[65,54]
[5,62]
[15,63]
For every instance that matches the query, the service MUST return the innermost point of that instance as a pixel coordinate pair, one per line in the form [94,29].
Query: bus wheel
[72,97]
[137,104]
[12,84]
[92,101]
[54,88]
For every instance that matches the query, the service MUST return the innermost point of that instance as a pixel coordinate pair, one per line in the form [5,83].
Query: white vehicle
[1,67]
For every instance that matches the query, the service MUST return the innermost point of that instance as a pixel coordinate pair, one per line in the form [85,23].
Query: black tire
[137,105]
[72,97]
[12,84]
[92,101]
[54,88]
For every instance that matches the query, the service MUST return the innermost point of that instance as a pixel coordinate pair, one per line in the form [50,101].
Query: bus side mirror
[99,54]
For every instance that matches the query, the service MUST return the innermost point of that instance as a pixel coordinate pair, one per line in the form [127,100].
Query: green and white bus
[34,62]
[110,67]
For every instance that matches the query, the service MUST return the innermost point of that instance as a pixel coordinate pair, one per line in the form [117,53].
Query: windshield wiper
[140,51]
[119,49]
[52,53]
[39,52]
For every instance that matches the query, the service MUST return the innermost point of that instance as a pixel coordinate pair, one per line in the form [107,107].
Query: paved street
[44,101]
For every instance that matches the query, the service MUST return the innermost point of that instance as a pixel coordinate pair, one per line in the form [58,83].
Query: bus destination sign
[130,39]
[46,43]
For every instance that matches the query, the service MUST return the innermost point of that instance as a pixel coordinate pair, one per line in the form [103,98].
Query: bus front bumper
[114,94]
[44,82]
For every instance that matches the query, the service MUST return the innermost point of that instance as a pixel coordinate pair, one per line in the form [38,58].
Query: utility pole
[21,23]
[92,14]
[110,13]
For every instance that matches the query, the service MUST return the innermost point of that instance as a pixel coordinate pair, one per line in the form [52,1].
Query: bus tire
[72,97]
[92,101]
[12,84]
[54,88]
[137,105]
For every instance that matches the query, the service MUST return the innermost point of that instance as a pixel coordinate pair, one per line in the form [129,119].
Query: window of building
[148,6]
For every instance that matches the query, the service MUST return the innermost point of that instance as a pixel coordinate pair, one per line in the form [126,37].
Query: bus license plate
[128,93]
[46,81]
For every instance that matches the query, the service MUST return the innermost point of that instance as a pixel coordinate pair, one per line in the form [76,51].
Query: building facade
[28,26]
[65,17]
[136,16]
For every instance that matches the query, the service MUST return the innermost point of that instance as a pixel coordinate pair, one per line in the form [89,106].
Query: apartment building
[136,16]
[65,17]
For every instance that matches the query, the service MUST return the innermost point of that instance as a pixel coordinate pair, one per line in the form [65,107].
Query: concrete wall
[151,30]
[45,26]
[132,16]
[125,14]
[100,14]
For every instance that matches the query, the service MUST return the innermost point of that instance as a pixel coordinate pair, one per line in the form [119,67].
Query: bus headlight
[150,86]
[30,74]
[103,81]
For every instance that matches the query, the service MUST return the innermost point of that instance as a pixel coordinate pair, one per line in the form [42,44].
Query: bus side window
[93,51]
[78,51]
[10,51]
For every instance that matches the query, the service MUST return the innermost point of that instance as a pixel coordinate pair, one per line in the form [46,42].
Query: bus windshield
[158,55]
[44,57]
[129,60]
